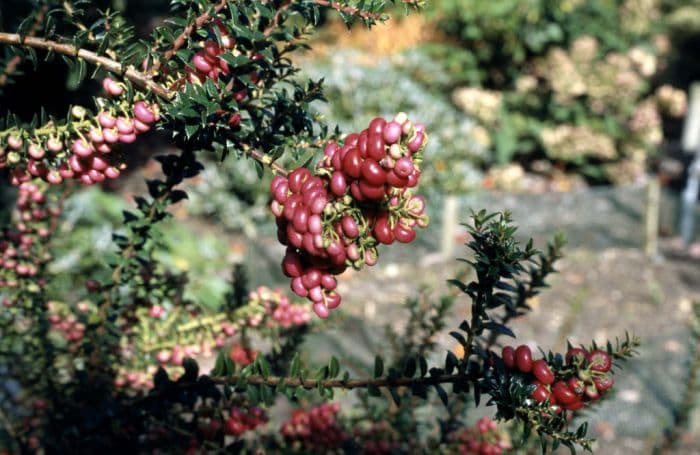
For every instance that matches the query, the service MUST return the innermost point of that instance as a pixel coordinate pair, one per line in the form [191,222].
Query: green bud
[13,157]
[78,112]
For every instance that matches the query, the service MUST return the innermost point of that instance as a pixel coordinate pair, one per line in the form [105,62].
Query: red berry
[376,126]
[563,393]
[375,147]
[603,384]
[311,279]
[349,226]
[403,167]
[291,264]
[143,113]
[297,178]
[540,393]
[234,427]
[351,139]
[352,163]
[542,372]
[370,191]
[416,143]
[599,361]
[382,231]
[201,63]
[338,185]
[523,358]
[392,132]
[301,219]
[577,385]
[508,355]
[575,405]
[404,234]
[373,173]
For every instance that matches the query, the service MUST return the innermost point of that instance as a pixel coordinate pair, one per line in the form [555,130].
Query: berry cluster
[241,355]
[483,439]
[135,380]
[279,310]
[68,326]
[20,246]
[208,63]
[240,420]
[317,429]
[266,311]
[356,199]
[585,377]
[81,151]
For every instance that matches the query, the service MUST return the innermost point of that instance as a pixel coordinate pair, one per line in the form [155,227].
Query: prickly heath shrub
[111,364]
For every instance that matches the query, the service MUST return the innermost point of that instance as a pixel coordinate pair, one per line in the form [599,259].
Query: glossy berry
[563,393]
[542,372]
[508,356]
[523,358]
[603,384]
[599,361]
[540,393]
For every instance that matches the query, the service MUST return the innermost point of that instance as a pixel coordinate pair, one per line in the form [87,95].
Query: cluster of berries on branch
[175,335]
[484,438]
[242,420]
[356,198]
[80,150]
[21,245]
[210,63]
[314,430]
[584,378]
[242,355]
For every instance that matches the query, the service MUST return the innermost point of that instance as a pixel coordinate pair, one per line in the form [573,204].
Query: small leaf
[374,391]
[177,195]
[459,337]
[395,396]
[451,361]
[442,394]
[219,366]
[378,366]
[294,369]
[499,328]
[334,368]
[409,368]
[423,364]
[265,369]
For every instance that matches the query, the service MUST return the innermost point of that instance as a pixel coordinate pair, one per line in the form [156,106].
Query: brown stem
[267,161]
[341,384]
[138,78]
[347,9]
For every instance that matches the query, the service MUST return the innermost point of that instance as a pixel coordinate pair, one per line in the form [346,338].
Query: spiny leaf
[378,366]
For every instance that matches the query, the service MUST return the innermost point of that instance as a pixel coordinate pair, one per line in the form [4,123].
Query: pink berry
[81,148]
[106,120]
[143,113]
[392,132]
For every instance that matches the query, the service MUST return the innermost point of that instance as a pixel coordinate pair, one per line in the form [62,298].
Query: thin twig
[347,9]
[138,78]
[342,384]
